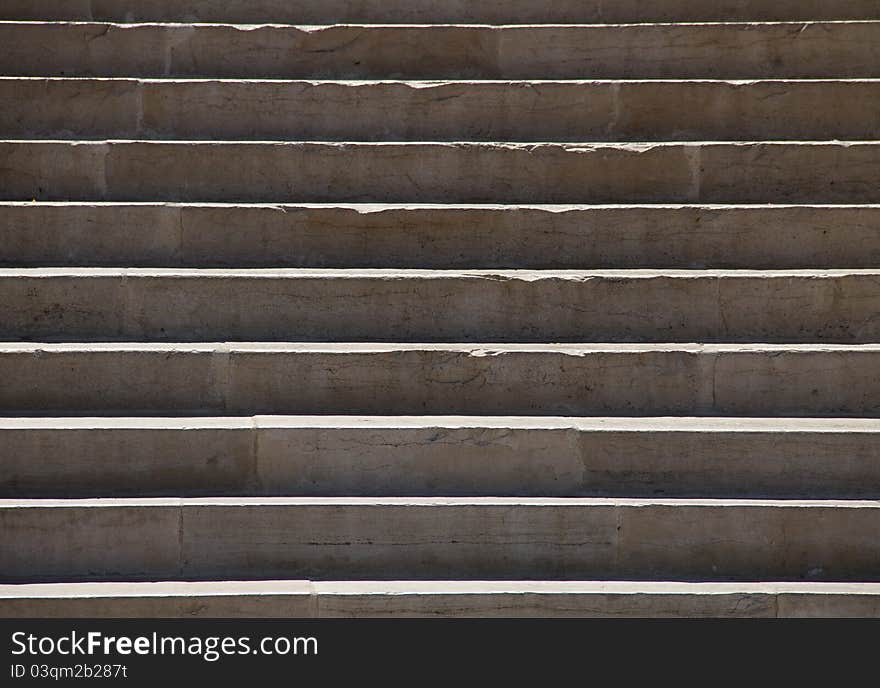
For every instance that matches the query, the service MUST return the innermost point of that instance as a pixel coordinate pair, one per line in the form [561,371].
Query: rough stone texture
[106,304]
[811,172]
[438,455]
[481,379]
[421,538]
[735,51]
[432,236]
[439,111]
[428,11]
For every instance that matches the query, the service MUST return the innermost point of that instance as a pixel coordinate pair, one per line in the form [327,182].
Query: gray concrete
[106,538]
[343,599]
[439,110]
[431,538]
[732,50]
[438,236]
[811,172]
[429,11]
[439,455]
[480,379]
[106,304]
[657,187]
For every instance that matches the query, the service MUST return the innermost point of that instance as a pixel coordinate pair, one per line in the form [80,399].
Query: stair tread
[431,502]
[616,424]
[425,587]
[369,207]
[429,84]
[527,275]
[250,26]
[479,349]
[445,503]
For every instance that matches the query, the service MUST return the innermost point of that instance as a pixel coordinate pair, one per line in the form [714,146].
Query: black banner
[142,652]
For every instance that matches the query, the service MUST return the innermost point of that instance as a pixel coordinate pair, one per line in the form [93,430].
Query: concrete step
[476,379]
[439,110]
[618,51]
[439,456]
[447,598]
[437,538]
[438,236]
[151,304]
[748,172]
[429,12]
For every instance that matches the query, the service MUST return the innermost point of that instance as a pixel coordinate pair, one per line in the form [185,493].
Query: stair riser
[475,111]
[490,381]
[434,461]
[551,173]
[606,606]
[427,11]
[472,605]
[438,237]
[411,541]
[438,307]
[733,51]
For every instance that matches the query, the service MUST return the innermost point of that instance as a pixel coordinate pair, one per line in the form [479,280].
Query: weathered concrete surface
[58,541]
[599,599]
[480,379]
[428,11]
[97,457]
[723,50]
[107,304]
[781,172]
[244,599]
[438,236]
[391,497]
[438,455]
[340,599]
[425,538]
[439,110]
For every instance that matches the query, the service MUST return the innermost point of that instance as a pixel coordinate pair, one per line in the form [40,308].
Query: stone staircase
[439,308]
